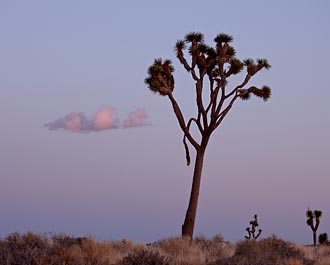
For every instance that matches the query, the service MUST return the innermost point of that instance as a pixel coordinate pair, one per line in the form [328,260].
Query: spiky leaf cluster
[160,79]
[313,214]
[254,67]
[207,58]
[264,92]
[194,37]
[317,214]
[223,38]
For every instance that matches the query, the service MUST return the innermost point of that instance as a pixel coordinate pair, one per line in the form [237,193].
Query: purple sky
[79,68]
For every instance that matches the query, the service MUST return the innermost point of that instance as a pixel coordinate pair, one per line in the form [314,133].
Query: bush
[269,251]
[144,257]
[32,249]
[24,249]
[323,239]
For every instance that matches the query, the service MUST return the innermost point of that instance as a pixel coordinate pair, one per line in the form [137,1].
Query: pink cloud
[74,122]
[104,119]
[136,118]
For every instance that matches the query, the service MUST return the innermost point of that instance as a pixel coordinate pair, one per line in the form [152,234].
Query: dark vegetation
[252,229]
[34,249]
[210,68]
[323,239]
[311,217]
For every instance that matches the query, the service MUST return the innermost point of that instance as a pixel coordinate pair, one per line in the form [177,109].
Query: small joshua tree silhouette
[311,215]
[252,230]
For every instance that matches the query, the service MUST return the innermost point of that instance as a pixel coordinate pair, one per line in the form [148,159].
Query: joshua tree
[210,69]
[310,221]
[252,230]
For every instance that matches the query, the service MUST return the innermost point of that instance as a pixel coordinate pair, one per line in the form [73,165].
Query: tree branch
[246,80]
[181,121]
[223,114]
[197,123]
[199,101]
[193,74]
[183,60]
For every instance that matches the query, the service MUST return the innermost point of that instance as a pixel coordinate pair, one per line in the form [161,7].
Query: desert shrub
[83,251]
[214,248]
[182,251]
[69,256]
[320,255]
[24,249]
[269,251]
[97,253]
[145,257]
[323,239]
[123,247]
[65,241]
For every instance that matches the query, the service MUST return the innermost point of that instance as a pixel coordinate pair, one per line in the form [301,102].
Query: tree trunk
[314,238]
[189,222]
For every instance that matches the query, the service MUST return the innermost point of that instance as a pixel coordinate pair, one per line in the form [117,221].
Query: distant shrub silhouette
[323,239]
[252,230]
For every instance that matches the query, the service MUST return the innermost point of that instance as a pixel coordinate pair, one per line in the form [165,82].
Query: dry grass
[36,249]
[320,254]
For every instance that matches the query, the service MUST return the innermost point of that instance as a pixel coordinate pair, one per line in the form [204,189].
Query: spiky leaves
[264,93]
[180,45]
[236,66]
[263,63]
[317,214]
[201,54]
[311,215]
[253,68]
[224,51]
[194,37]
[223,38]
[160,79]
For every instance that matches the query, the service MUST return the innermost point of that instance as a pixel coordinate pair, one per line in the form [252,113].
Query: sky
[86,149]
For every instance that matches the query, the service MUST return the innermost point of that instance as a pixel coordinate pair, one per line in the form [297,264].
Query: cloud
[104,119]
[136,118]
[78,122]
